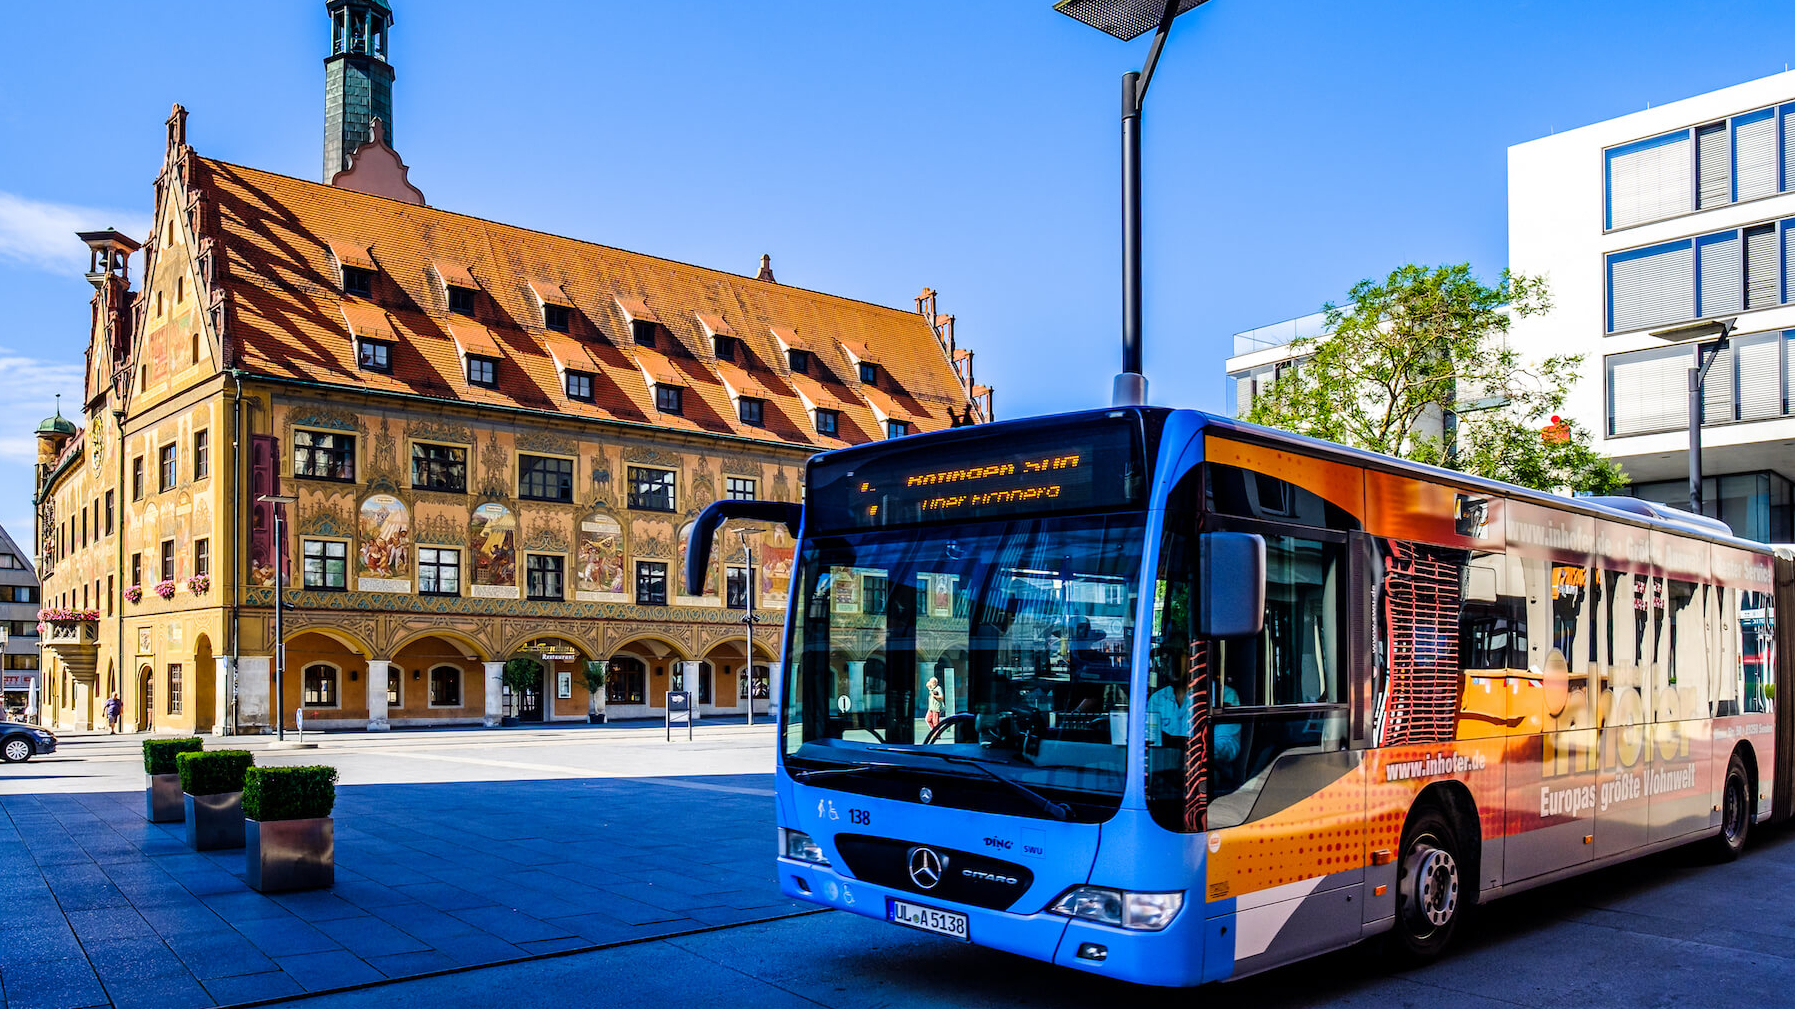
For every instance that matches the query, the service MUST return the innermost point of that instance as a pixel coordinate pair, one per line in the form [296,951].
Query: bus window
[1284,691]
[1244,493]
[1757,654]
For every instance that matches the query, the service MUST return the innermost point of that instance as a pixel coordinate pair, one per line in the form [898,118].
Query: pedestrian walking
[114,708]
[937,702]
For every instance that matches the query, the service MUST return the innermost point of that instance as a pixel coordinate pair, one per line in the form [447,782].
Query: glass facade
[1756,505]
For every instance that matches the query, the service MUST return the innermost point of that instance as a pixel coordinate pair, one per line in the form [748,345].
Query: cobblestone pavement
[452,849]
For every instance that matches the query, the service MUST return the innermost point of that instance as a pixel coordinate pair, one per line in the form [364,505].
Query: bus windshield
[1003,644]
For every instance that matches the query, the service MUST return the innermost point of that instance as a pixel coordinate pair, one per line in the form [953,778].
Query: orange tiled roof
[284,238]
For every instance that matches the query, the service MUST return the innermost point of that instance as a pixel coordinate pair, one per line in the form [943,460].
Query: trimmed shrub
[289,793]
[213,773]
[159,754]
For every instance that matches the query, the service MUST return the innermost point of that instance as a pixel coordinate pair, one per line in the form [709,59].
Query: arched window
[626,682]
[320,686]
[445,687]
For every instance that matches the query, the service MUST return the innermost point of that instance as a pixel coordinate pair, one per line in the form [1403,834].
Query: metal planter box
[162,799]
[290,854]
[214,821]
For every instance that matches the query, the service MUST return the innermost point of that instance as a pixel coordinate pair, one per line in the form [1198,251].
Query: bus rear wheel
[1430,888]
[1735,812]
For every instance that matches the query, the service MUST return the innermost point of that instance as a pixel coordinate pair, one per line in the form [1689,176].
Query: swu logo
[988,877]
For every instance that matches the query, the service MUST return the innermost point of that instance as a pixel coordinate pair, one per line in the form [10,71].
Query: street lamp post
[1698,374]
[279,501]
[1128,20]
[748,623]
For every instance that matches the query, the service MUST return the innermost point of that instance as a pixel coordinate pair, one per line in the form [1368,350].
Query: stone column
[224,684]
[495,693]
[377,674]
[255,691]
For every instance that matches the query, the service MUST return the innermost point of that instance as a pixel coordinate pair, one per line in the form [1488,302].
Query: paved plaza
[500,845]
[606,866]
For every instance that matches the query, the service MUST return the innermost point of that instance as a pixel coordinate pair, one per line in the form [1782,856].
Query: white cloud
[39,234]
[28,388]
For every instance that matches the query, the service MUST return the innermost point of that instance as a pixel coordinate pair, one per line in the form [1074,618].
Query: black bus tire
[1735,813]
[1432,894]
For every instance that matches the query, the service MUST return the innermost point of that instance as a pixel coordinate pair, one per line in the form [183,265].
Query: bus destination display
[1046,472]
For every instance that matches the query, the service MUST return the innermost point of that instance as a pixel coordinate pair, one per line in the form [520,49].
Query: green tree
[1418,366]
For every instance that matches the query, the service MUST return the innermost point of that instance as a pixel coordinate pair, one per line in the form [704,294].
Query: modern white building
[1672,215]
[18,619]
[1669,216]
[1261,355]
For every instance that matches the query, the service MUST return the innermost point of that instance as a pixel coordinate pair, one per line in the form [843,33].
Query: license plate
[952,924]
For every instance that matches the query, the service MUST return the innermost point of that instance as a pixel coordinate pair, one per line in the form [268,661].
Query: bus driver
[1172,706]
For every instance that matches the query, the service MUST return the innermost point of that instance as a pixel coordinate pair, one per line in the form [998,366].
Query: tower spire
[358,80]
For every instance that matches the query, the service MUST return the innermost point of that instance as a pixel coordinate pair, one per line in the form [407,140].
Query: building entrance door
[529,703]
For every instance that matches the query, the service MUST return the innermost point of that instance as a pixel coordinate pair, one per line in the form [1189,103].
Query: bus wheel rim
[1436,885]
[1735,807]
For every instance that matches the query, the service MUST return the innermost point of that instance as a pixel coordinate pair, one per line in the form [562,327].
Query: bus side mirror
[1231,596]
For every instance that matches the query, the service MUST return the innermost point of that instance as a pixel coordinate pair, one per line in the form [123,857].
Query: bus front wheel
[1735,812]
[1430,887]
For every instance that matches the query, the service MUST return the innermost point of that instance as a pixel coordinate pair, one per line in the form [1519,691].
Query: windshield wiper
[832,772]
[1057,810]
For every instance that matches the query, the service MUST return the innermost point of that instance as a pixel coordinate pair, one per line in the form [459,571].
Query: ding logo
[926,795]
[925,868]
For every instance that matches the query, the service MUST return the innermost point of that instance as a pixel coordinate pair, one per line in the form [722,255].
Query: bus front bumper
[1172,957]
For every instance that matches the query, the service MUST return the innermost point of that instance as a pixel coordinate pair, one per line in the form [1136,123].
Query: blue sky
[1292,148]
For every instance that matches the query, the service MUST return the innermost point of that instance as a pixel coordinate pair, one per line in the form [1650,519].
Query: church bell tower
[358,80]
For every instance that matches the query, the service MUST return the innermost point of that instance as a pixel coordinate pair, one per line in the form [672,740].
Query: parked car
[22,742]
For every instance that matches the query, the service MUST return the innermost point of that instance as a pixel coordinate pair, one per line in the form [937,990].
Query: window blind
[1788,117]
[1760,377]
[1717,259]
[1760,266]
[1648,391]
[1717,388]
[1649,180]
[1754,154]
[1652,286]
[1712,161]
[1789,260]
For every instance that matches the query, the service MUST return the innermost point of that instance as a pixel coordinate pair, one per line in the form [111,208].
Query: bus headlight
[1144,912]
[800,846]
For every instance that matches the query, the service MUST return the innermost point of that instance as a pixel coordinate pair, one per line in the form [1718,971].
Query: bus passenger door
[1552,782]
[1286,813]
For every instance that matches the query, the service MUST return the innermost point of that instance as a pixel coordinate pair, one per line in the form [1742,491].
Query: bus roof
[1625,509]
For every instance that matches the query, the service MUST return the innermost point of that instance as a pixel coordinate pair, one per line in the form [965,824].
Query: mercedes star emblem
[925,868]
[926,796]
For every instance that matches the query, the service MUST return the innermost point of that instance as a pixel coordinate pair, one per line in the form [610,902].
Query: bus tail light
[1145,912]
[800,846]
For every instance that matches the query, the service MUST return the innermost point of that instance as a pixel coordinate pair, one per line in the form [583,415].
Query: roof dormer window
[483,371]
[556,317]
[374,355]
[642,331]
[827,422]
[669,399]
[725,346]
[799,360]
[753,411]
[869,373]
[358,281]
[461,300]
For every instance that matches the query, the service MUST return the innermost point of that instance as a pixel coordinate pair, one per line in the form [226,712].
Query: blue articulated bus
[1176,699]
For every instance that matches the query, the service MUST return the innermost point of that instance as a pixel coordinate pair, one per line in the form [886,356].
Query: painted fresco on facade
[493,539]
[775,551]
[600,554]
[385,537]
